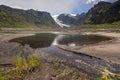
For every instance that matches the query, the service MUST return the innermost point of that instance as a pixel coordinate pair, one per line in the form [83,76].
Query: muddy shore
[8,36]
[54,54]
[108,50]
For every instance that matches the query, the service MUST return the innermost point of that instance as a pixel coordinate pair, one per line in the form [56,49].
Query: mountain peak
[104,12]
[69,20]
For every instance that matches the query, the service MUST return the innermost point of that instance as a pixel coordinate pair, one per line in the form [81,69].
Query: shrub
[107,75]
[22,66]
[33,61]
[2,75]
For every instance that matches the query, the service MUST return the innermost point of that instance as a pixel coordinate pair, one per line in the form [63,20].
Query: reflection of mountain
[36,41]
[78,39]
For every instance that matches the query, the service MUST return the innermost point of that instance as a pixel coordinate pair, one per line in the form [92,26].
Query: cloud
[53,6]
[93,1]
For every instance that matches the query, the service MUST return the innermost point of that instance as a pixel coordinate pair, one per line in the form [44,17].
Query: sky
[53,6]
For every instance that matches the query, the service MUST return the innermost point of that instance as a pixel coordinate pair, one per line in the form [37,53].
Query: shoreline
[8,36]
[108,50]
[84,64]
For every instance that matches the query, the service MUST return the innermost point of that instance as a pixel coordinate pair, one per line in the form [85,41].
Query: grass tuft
[2,75]
[22,66]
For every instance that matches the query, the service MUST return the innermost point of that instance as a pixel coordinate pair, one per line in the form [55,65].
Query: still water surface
[41,40]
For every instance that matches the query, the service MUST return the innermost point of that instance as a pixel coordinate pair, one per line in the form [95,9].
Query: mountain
[11,17]
[69,20]
[55,17]
[103,12]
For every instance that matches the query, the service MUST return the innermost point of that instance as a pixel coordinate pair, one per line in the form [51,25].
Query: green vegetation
[104,13]
[33,61]
[1,75]
[22,66]
[30,67]
[103,26]
[11,20]
[17,18]
[107,75]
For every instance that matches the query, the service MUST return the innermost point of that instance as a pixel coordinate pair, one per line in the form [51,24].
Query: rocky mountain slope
[104,12]
[101,13]
[70,20]
[11,17]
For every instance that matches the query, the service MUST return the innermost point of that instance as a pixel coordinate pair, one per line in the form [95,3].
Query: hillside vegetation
[10,17]
[104,13]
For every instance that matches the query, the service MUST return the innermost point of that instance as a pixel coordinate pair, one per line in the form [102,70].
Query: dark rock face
[113,13]
[104,12]
[26,17]
[72,20]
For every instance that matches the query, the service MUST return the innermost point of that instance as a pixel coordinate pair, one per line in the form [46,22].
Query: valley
[37,45]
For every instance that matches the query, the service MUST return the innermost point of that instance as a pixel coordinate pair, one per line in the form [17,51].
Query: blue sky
[54,6]
[83,7]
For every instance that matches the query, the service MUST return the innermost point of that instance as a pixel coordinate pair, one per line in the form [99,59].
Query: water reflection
[79,39]
[47,39]
[37,41]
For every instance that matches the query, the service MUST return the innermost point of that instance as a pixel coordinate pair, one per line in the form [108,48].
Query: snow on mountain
[73,14]
[55,17]
[69,20]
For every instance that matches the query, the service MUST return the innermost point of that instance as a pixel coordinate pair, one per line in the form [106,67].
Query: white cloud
[18,7]
[93,1]
[53,6]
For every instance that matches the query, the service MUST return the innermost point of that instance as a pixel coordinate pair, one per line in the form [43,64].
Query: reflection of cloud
[55,42]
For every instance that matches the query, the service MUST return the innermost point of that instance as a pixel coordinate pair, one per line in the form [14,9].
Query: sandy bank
[9,36]
[109,51]
[9,50]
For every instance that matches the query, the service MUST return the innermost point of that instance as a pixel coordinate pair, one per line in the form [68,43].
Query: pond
[41,40]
